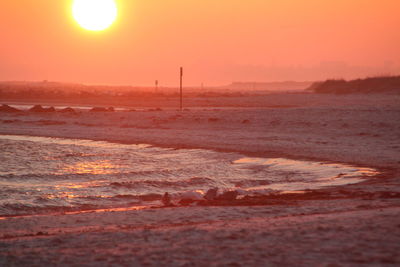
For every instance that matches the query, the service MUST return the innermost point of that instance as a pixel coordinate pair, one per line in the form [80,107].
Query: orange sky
[217,41]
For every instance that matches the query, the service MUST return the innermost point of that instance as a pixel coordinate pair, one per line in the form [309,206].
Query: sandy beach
[350,225]
[199,133]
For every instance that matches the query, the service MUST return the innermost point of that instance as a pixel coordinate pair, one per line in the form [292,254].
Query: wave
[44,205]
[195,181]
[18,209]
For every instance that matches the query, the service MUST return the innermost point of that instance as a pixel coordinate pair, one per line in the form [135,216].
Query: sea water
[40,175]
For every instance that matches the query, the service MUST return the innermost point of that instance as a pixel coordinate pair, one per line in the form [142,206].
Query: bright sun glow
[94,15]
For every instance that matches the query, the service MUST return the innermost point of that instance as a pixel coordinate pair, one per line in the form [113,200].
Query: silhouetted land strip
[65,94]
[390,84]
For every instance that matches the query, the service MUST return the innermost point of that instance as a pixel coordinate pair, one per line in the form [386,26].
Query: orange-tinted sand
[345,225]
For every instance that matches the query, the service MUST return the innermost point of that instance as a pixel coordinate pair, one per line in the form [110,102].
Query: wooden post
[156,86]
[180,87]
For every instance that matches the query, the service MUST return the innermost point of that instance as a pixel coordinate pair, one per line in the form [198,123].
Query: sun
[95,15]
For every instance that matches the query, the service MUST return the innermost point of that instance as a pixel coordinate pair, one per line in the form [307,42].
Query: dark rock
[211,194]
[229,195]
[39,108]
[36,108]
[185,202]
[7,108]
[99,109]
[67,110]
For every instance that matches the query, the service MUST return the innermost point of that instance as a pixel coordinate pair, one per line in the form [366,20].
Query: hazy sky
[217,41]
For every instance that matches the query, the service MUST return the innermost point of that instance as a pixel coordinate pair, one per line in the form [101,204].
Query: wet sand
[313,232]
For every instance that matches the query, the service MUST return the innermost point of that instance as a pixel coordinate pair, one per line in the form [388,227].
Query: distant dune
[389,84]
[269,86]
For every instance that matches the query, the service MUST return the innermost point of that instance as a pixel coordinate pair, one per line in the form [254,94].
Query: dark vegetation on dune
[375,85]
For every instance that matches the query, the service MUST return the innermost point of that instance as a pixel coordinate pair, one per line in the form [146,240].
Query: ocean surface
[40,175]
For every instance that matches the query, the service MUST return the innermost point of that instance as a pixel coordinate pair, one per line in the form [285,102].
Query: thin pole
[180,86]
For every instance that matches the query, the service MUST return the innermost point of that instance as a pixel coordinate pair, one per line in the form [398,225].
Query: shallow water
[41,175]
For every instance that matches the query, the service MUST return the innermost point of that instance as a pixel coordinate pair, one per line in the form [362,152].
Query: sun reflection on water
[91,167]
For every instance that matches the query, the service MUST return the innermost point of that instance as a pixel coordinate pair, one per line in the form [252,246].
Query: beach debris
[190,197]
[228,195]
[100,109]
[154,109]
[39,108]
[36,108]
[166,199]
[263,191]
[7,108]
[211,194]
[241,192]
[67,110]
